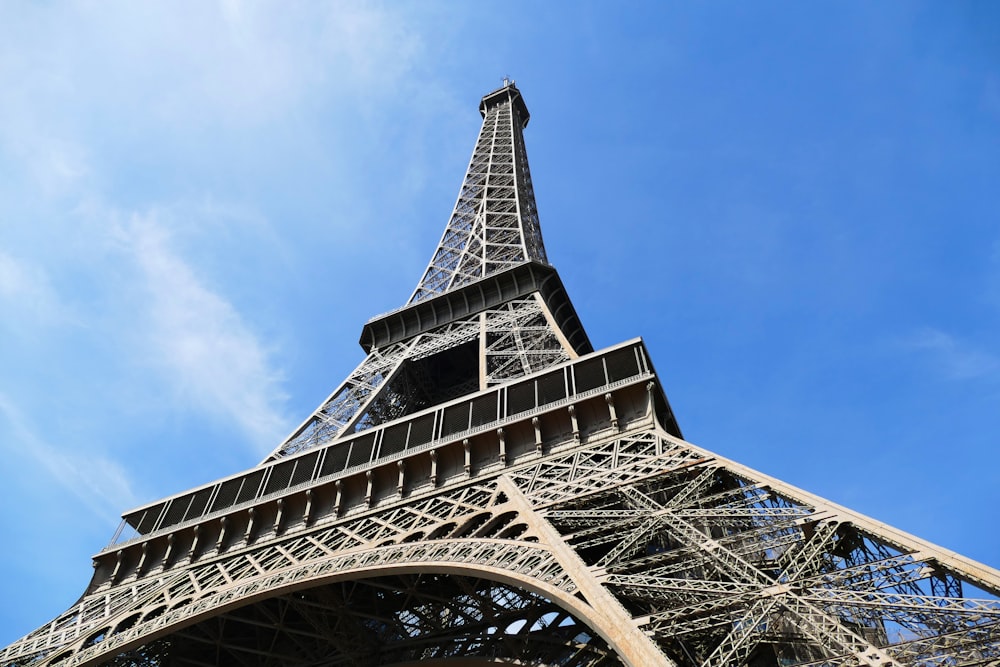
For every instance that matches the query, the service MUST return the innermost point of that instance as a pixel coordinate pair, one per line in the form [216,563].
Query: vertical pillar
[194,544]
[279,515]
[248,535]
[119,557]
[142,559]
[307,514]
[169,552]
[222,533]
[576,424]
[611,409]
[611,619]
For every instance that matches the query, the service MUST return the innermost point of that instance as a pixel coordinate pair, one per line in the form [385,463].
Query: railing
[587,376]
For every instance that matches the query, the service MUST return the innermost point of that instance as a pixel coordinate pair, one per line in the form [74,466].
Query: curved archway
[485,604]
[442,531]
[397,619]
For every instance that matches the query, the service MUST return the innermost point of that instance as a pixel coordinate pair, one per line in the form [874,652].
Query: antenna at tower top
[507,81]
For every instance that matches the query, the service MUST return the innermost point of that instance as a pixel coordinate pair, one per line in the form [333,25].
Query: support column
[620,630]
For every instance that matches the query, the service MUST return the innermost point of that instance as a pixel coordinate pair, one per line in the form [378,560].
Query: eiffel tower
[485,489]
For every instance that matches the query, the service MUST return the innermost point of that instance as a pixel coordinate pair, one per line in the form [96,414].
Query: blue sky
[795,204]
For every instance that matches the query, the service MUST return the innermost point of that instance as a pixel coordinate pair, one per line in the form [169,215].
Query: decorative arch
[390,599]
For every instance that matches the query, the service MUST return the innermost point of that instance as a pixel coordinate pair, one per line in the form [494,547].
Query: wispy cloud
[146,150]
[107,115]
[957,359]
[17,279]
[100,483]
[25,289]
[200,343]
[231,61]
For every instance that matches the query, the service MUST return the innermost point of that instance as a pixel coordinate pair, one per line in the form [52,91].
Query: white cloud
[17,279]
[197,339]
[25,289]
[377,47]
[116,108]
[100,483]
[235,61]
[956,358]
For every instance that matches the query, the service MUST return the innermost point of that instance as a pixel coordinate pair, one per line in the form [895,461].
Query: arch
[472,524]
[95,638]
[519,566]
[153,613]
[513,531]
[442,531]
[496,524]
[60,657]
[389,620]
[127,623]
[183,602]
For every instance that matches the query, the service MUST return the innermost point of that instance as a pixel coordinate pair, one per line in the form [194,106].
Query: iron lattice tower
[485,488]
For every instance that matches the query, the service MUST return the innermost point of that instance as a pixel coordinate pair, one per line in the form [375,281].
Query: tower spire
[489,307]
[494,225]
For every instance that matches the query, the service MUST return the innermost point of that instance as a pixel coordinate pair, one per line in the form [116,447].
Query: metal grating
[589,375]
[484,409]
[520,398]
[621,364]
[336,459]
[394,439]
[198,503]
[551,388]
[456,419]
[304,469]
[421,431]
[176,510]
[281,475]
[148,520]
[249,490]
[227,494]
[361,451]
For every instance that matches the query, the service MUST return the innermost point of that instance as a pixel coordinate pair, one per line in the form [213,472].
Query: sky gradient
[796,205]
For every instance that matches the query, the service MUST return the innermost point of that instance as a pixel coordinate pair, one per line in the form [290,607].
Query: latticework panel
[494,225]
[520,341]
[459,573]
[723,566]
[434,367]
[356,401]
[400,619]
[550,560]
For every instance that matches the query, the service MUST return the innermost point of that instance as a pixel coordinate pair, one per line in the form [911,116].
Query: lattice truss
[521,340]
[722,566]
[551,562]
[494,225]
[456,574]
[386,620]
[411,375]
